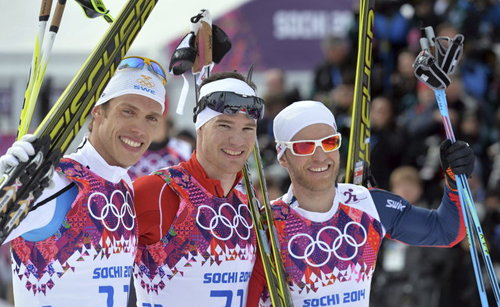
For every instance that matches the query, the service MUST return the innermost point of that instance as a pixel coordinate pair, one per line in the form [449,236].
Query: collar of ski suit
[88,156]
[290,199]
[213,186]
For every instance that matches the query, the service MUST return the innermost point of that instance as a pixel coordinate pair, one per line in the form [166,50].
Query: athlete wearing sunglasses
[139,62]
[330,232]
[308,147]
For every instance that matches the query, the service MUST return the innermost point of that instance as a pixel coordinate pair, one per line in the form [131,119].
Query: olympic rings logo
[323,246]
[145,81]
[126,212]
[226,221]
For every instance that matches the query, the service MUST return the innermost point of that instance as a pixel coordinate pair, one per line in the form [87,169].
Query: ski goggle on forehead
[308,147]
[231,103]
[138,62]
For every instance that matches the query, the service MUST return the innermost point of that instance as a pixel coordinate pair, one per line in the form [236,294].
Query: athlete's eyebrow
[154,113]
[228,121]
[130,105]
[135,108]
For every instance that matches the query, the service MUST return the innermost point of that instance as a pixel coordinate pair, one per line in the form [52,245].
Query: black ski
[358,160]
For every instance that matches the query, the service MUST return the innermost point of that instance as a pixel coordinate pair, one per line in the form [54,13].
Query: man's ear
[199,133]
[199,137]
[96,111]
[282,160]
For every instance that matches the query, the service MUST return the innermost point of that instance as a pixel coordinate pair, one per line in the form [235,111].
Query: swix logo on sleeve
[398,205]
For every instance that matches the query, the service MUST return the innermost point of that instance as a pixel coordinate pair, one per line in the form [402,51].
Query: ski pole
[42,67]
[449,56]
[273,234]
[92,8]
[465,212]
[216,44]
[202,23]
[42,22]
[273,280]
[469,207]
[429,70]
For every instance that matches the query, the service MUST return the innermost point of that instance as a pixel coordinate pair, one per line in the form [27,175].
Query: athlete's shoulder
[388,203]
[240,188]
[378,194]
[347,190]
[44,208]
[278,201]
[148,182]
[58,184]
[358,197]
[281,209]
[150,192]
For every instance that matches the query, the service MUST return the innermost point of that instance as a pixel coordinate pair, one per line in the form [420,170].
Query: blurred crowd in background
[406,130]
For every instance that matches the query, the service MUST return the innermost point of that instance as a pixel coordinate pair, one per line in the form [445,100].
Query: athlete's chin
[129,160]
[233,169]
[236,162]
[316,185]
[321,184]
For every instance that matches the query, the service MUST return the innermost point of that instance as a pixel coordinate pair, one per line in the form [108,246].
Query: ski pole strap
[94,9]
[427,71]
[187,56]
[221,44]
[448,52]
[182,60]
[183,96]
[184,55]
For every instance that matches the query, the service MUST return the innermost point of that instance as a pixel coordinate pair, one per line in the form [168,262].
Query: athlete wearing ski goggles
[138,62]
[231,103]
[308,147]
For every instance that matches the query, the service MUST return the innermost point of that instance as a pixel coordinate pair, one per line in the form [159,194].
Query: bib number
[228,294]
[110,292]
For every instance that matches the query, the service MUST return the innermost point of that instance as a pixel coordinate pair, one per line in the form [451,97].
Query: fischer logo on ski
[358,160]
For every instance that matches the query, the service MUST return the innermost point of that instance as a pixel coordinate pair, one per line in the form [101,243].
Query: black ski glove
[456,158]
